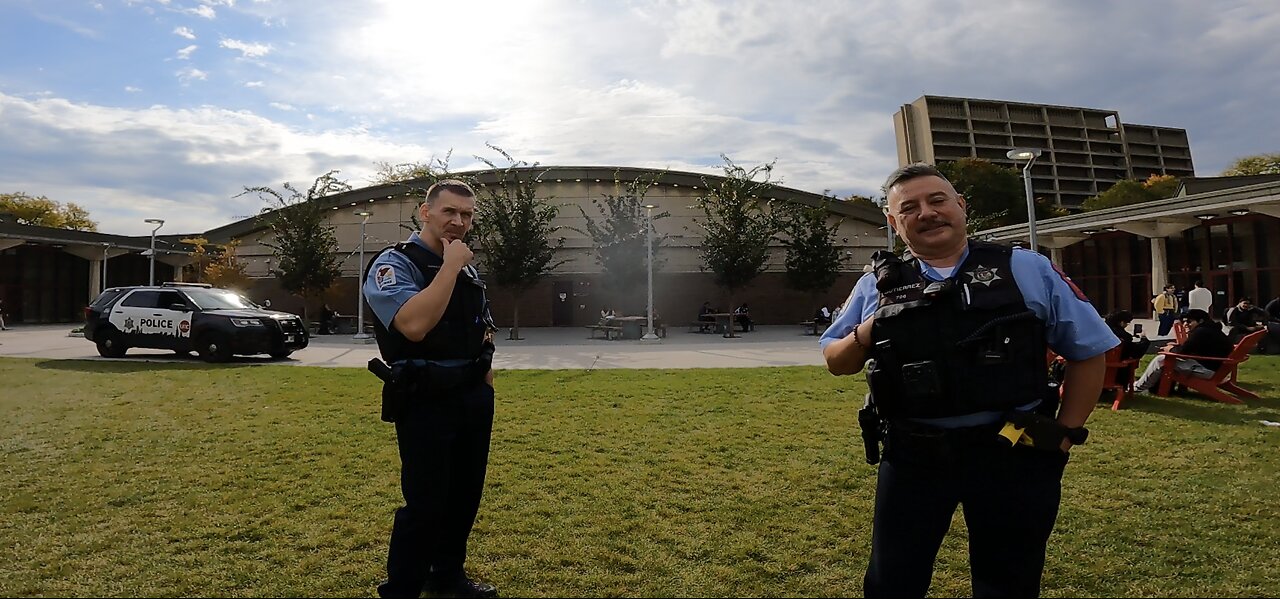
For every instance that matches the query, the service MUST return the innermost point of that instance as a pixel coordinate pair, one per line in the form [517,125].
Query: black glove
[890,270]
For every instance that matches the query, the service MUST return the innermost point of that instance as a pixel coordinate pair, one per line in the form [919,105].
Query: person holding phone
[1133,346]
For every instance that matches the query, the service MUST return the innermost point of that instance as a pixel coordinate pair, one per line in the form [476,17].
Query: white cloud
[185,53]
[191,73]
[675,83]
[247,49]
[183,164]
[204,10]
[184,32]
[282,106]
[131,89]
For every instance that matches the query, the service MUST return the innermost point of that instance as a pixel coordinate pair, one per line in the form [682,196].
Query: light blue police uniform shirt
[1073,327]
[387,294]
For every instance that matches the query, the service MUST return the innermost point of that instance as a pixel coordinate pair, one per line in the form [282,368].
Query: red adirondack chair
[1179,332]
[1120,391]
[1224,378]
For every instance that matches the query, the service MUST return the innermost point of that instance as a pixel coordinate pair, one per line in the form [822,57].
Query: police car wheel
[214,348]
[111,345]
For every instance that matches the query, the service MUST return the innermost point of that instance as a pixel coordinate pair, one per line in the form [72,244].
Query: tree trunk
[733,318]
[515,320]
[305,309]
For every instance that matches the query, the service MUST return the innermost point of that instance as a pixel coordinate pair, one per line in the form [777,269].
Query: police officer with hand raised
[434,330]
[957,332]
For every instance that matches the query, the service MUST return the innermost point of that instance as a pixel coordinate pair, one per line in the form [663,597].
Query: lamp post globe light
[1030,155]
[360,334]
[158,222]
[650,335]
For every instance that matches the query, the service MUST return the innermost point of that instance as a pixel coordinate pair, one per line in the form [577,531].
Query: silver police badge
[984,275]
[128,323]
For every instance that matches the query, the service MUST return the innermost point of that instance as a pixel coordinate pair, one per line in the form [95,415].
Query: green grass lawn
[127,479]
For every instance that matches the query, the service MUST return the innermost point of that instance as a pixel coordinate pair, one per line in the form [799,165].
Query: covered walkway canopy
[1224,231]
[49,275]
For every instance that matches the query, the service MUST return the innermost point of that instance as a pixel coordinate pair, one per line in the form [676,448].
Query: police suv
[185,317]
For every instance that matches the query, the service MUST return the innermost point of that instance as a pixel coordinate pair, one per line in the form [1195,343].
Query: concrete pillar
[95,279]
[1055,256]
[1159,265]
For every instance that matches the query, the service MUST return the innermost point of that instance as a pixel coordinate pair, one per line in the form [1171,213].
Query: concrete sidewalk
[541,348]
[547,348]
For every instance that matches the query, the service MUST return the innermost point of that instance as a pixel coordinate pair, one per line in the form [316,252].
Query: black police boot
[461,587]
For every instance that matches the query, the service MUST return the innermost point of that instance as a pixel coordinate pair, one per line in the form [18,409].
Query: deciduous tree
[302,240]
[737,225]
[42,212]
[514,228]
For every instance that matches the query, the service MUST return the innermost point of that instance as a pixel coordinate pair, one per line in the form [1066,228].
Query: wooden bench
[813,327]
[609,331]
[703,326]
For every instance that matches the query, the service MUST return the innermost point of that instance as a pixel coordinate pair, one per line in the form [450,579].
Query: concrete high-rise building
[1086,150]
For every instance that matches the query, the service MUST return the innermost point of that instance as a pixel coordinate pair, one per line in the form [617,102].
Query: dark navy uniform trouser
[1010,499]
[444,452]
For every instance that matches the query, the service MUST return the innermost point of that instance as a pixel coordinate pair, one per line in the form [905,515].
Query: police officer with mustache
[435,332]
[956,331]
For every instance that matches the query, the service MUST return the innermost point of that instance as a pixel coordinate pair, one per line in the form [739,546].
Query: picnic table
[610,331]
[341,323]
[724,323]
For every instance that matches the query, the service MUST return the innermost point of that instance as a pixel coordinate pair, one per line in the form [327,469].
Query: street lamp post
[1030,155]
[360,334]
[649,336]
[158,222]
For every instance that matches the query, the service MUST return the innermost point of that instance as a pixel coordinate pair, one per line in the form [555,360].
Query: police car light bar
[177,284]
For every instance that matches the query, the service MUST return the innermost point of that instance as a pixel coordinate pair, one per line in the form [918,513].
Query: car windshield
[218,299]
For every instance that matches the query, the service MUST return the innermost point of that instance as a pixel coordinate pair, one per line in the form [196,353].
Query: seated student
[327,318]
[706,311]
[1204,338]
[1271,343]
[1244,318]
[743,316]
[822,316]
[1132,345]
[606,314]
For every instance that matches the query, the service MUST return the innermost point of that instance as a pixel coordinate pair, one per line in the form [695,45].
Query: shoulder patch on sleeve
[1079,294]
[384,276]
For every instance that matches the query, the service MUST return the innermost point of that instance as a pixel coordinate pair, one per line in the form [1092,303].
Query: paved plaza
[541,348]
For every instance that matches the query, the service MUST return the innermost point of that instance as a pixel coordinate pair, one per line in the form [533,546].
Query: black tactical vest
[967,344]
[463,328]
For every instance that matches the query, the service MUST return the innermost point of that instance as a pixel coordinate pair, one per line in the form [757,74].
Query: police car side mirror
[179,307]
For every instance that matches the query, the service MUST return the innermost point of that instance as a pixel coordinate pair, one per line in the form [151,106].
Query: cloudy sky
[168,108]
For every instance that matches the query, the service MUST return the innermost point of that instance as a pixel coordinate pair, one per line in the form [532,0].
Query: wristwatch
[1078,435]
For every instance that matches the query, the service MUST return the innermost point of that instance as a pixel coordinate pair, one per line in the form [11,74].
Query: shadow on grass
[152,364]
[1189,405]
